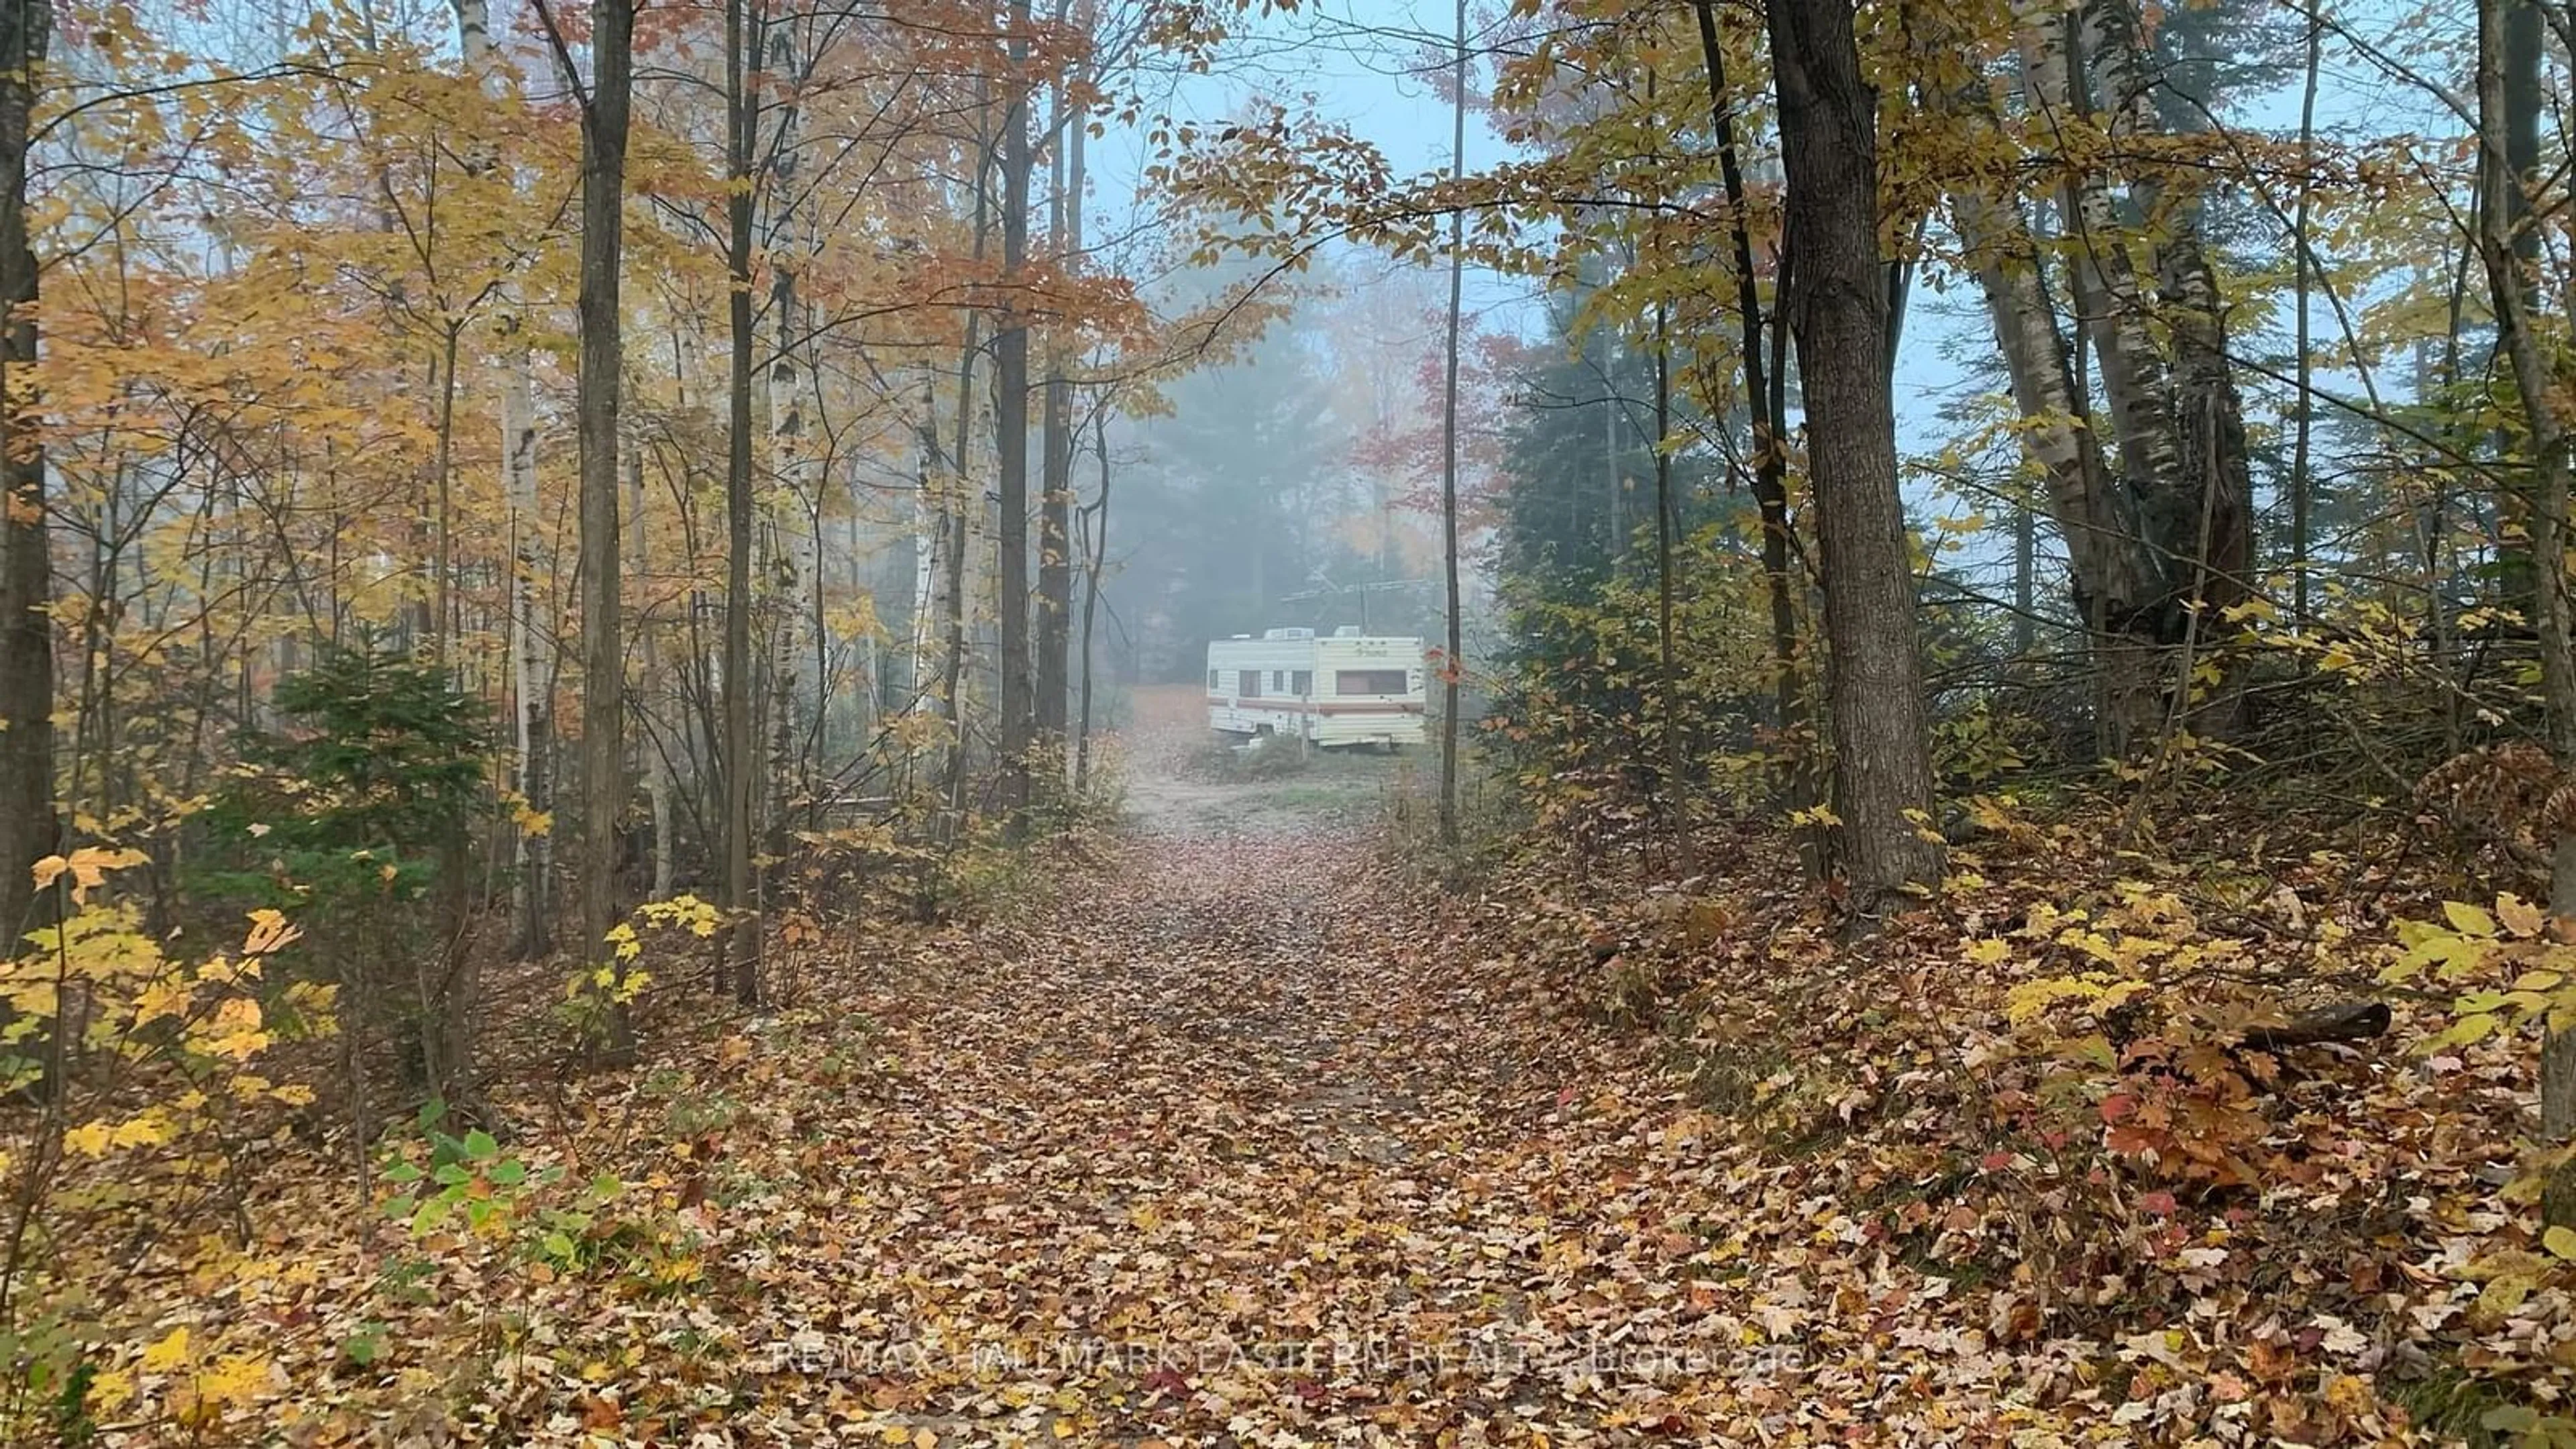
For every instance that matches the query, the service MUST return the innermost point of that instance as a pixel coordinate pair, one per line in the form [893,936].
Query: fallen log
[2344,1021]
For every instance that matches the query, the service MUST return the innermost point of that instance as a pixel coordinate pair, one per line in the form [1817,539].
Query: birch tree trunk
[532,854]
[2113,575]
[2110,297]
[2205,506]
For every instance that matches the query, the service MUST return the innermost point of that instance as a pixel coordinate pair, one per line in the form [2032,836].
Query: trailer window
[1303,684]
[1369,681]
[1214,684]
[1247,682]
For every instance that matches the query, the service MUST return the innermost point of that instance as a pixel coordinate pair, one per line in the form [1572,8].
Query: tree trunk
[1770,454]
[1452,667]
[1011,441]
[2301,484]
[532,857]
[964,496]
[1668,668]
[1838,313]
[1091,598]
[2114,575]
[603,757]
[2548,511]
[2109,296]
[442,565]
[1055,504]
[530,708]
[739,770]
[2211,480]
[658,694]
[29,828]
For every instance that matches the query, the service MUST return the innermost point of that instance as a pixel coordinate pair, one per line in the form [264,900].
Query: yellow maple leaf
[144,1131]
[269,930]
[88,866]
[111,1389]
[159,999]
[167,1354]
[237,1378]
[90,1139]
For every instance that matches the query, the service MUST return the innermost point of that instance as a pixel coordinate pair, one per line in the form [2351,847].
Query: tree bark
[2301,484]
[1838,314]
[739,770]
[1667,666]
[532,860]
[29,827]
[657,691]
[2112,573]
[2205,506]
[2110,298]
[1099,511]
[2548,512]
[1055,502]
[1011,441]
[604,123]
[1770,454]
[961,504]
[1452,667]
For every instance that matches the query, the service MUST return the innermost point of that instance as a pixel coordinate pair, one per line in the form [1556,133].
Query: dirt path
[1202,1157]
[1222,1149]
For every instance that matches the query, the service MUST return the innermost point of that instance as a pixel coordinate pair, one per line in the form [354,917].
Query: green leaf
[2468,1029]
[510,1172]
[2561,1242]
[480,1146]
[2468,920]
[2510,1419]
[402,1172]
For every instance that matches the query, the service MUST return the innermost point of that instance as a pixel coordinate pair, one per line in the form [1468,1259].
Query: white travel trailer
[1349,689]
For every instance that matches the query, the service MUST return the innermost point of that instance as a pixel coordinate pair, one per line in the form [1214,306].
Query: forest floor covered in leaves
[1228,1135]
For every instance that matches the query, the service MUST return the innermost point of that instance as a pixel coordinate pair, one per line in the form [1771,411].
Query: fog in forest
[791,724]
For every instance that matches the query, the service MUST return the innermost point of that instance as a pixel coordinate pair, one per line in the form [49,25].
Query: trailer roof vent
[1289,634]
[1239,636]
[1347,631]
